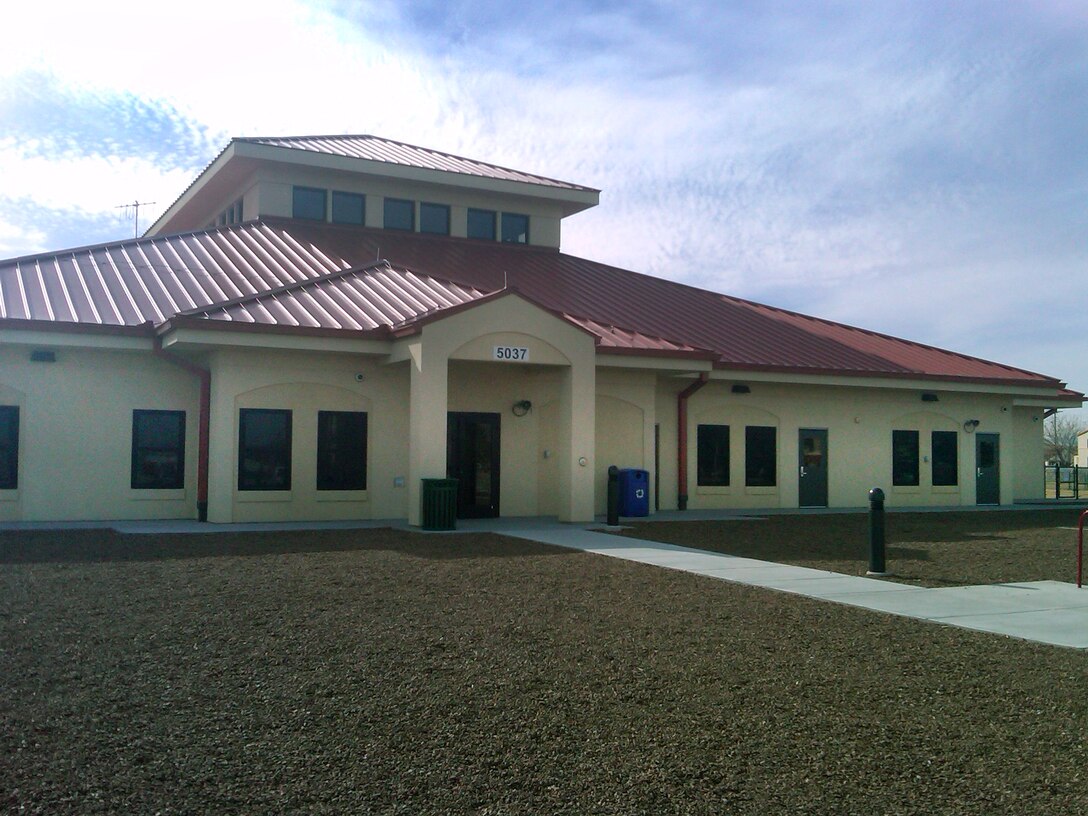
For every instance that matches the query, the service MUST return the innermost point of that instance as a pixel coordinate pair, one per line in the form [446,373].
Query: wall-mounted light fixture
[970,425]
[929,397]
[741,388]
[521,408]
[43,356]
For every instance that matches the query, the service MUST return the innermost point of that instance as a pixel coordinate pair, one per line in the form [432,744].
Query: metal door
[472,457]
[812,464]
[987,469]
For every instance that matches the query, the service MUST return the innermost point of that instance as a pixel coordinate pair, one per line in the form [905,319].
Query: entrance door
[812,461]
[987,469]
[472,457]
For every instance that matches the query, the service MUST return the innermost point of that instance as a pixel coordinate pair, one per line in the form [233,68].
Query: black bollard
[876,532]
[613,496]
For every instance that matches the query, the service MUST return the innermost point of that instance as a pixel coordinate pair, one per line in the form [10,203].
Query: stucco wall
[305,384]
[859,422]
[75,433]
[273,197]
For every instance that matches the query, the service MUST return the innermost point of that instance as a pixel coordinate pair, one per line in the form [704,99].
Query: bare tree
[1060,439]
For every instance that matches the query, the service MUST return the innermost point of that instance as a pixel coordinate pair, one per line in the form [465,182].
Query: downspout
[203,436]
[682,440]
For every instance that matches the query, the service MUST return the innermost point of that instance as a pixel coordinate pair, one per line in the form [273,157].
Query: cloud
[908,165]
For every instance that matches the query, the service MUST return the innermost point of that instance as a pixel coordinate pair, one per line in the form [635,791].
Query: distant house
[1080,459]
[318,324]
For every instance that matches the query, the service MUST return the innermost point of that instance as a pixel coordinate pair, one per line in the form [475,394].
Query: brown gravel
[959,548]
[391,673]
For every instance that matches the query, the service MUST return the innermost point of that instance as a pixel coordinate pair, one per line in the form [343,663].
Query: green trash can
[439,504]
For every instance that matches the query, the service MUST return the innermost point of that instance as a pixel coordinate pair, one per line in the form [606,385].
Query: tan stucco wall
[305,384]
[272,196]
[1027,466]
[859,422]
[75,433]
[625,417]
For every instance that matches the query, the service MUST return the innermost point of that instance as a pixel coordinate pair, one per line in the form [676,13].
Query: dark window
[945,459]
[400,214]
[481,224]
[713,446]
[9,447]
[264,449]
[348,208]
[158,449]
[515,228]
[434,218]
[341,450]
[309,203]
[905,458]
[760,456]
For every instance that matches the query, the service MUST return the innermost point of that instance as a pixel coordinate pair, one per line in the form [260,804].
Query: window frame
[509,217]
[298,189]
[354,450]
[713,440]
[9,441]
[339,196]
[756,438]
[903,440]
[491,215]
[945,473]
[255,484]
[140,451]
[431,207]
[411,212]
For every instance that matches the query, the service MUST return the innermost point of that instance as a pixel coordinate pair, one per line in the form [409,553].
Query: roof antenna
[135,214]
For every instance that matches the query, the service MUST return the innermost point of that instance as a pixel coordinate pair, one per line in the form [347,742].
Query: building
[318,324]
[1080,459]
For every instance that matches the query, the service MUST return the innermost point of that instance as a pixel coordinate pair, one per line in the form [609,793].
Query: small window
[434,218]
[264,449]
[760,456]
[515,228]
[308,203]
[9,447]
[905,458]
[400,214]
[481,224]
[713,455]
[348,208]
[158,449]
[945,458]
[341,450]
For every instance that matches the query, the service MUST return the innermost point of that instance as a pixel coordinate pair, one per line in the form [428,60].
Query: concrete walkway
[1049,612]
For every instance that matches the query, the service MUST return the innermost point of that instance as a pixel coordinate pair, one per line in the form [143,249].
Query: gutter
[203,434]
[682,440]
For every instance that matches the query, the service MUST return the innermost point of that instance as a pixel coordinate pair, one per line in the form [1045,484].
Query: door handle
[803,474]
[978,473]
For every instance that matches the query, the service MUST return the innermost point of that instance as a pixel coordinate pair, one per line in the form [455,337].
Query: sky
[918,168]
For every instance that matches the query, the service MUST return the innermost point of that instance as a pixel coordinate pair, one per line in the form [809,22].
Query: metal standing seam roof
[283,272]
[375,148]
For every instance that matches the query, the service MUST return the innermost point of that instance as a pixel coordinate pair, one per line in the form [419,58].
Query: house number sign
[512,354]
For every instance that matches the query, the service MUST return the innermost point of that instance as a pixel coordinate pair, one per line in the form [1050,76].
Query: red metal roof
[375,148]
[321,277]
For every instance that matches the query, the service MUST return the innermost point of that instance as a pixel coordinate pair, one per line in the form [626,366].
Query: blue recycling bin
[634,492]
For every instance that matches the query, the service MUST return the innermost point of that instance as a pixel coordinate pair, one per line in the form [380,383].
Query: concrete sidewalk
[1049,612]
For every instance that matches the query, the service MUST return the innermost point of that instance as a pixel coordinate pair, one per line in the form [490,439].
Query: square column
[427,407]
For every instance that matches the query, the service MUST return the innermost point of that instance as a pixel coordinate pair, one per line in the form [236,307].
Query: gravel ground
[394,673]
[925,549]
